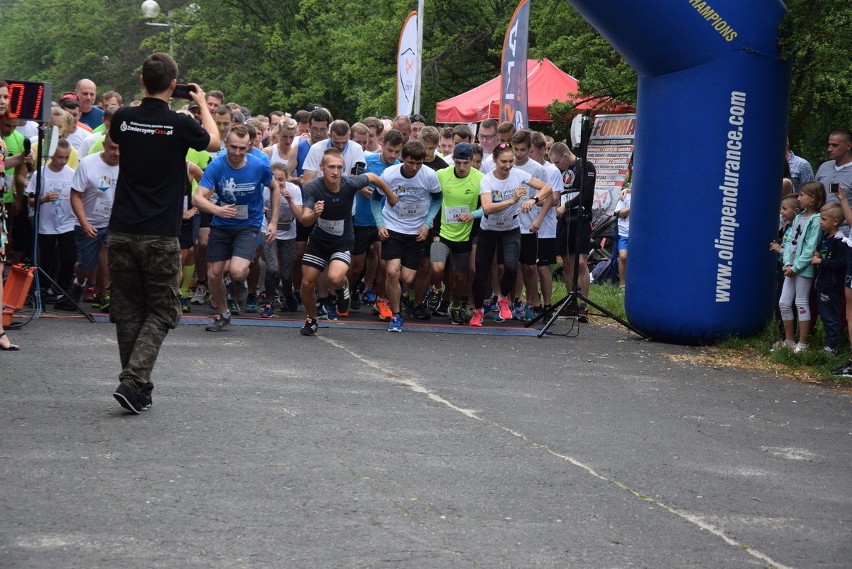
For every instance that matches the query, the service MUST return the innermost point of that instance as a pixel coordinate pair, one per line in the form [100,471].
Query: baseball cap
[463,151]
[68,95]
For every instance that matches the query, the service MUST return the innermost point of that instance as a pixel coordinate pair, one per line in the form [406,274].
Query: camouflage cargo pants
[145,301]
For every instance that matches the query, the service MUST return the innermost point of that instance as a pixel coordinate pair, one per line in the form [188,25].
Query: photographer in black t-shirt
[144,253]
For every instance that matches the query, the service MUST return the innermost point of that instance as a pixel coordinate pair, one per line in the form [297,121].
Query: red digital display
[27,100]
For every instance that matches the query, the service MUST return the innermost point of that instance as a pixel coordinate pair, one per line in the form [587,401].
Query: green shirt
[14,145]
[460,195]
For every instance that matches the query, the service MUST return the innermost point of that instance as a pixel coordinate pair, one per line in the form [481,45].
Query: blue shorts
[622,243]
[89,248]
[227,242]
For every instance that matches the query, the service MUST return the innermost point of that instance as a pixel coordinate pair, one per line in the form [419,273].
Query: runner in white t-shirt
[501,192]
[338,138]
[404,227]
[93,191]
[56,247]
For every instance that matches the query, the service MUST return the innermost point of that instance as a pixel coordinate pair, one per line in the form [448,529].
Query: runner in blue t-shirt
[238,180]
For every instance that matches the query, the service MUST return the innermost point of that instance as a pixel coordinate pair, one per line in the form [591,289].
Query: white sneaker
[783,345]
[800,348]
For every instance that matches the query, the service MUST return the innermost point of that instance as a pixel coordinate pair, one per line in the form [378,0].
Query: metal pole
[419,56]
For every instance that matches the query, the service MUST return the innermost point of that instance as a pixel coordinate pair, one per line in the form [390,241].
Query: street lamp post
[151,9]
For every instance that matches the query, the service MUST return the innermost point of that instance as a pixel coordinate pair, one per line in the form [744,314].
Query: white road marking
[694,519]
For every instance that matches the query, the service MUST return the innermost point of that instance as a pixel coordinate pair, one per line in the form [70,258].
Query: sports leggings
[800,288]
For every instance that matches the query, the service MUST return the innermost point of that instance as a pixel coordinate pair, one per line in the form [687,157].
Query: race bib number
[63,188]
[242,211]
[331,226]
[412,210]
[103,207]
[451,214]
[499,222]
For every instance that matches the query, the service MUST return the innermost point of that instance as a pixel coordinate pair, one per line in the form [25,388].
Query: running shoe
[369,297]
[504,308]
[330,311]
[321,309]
[267,311]
[234,307]
[476,319]
[422,312]
[455,316]
[201,295]
[843,371]
[443,309]
[829,351]
[251,303]
[800,347]
[344,299]
[310,328]
[583,315]
[355,302]
[101,301]
[184,305]
[466,312]
[529,313]
[518,310]
[433,301]
[289,302]
[783,345]
[395,325]
[384,309]
[220,322]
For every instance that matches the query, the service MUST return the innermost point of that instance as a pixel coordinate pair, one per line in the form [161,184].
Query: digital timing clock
[29,101]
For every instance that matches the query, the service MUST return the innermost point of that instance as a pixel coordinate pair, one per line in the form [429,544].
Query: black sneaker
[422,312]
[64,302]
[128,397]
[220,322]
[145,401]
[310,328]
[344,299]
[843,371]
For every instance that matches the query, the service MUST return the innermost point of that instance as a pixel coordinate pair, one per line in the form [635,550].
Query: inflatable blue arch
[711,121]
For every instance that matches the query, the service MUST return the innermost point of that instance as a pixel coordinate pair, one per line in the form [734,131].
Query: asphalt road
[426,449]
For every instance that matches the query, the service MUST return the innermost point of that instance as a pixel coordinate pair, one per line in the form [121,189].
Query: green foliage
[815,35]
[285,54]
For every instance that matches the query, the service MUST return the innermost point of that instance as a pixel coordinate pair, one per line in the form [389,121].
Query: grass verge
[752,352]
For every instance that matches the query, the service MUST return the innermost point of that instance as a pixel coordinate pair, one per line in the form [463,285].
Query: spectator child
[789,209]
[830,259]
[798,270]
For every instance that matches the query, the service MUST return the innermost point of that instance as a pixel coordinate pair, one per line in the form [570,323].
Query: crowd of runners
[409,219]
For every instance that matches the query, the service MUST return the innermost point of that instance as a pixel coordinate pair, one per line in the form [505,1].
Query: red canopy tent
[545,84]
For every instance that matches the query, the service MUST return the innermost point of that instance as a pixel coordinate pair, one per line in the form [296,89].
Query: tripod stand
[570,304]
